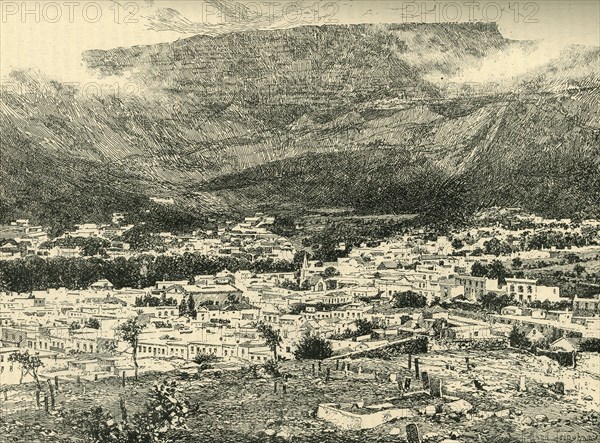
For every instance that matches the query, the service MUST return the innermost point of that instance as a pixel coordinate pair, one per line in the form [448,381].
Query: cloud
[220,17]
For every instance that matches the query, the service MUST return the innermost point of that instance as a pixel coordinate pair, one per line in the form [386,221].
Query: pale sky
[50,35]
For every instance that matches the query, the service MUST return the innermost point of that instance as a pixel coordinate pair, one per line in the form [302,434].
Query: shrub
[163,420]
[313,347]
[271,368]
[205,361]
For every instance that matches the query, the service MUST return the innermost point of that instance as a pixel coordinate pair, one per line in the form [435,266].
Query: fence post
[417,374]
[52,402]
[123,408]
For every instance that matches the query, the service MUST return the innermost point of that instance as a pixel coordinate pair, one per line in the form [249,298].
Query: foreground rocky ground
[237,406]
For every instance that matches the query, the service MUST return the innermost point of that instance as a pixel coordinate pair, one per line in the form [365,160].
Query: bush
[205,361]
[161,421]
[518,339]
[271,368]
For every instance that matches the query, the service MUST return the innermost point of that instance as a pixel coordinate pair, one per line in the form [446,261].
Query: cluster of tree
[140,238]
[590,345]
[363,327]
[284,225]
[294,286]
[313,347]
[352,232]
[557,239]
[409,299]
[495,302]
[36,273]
[570,284]
[493,270]
[154,301]
[90,246]
[187,307]
[547,305]
[497,247]
[91,322]
[571,258]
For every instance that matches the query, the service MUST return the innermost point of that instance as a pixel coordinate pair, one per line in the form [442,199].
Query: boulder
[458,406]
[527,421]
[284,433]
[395,431]
[430,410]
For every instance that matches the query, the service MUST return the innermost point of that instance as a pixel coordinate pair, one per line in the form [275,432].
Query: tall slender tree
[130,332]
[271,337]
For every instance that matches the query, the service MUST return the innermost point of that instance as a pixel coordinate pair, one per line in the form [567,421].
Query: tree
[93,323]
[495,302]
[457,243]
[29,365]
[183,308]
[365,327]
[496,270]
[191,307]
[518,339]
[439,325]
[74,326]
[130,332]
[478,270]
[517,262]
[572,258]
[271,337]
[330,272]
[313,347]
[578,269]
[409,299]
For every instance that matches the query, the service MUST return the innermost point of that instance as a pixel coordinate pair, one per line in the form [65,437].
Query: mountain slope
[357,115]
